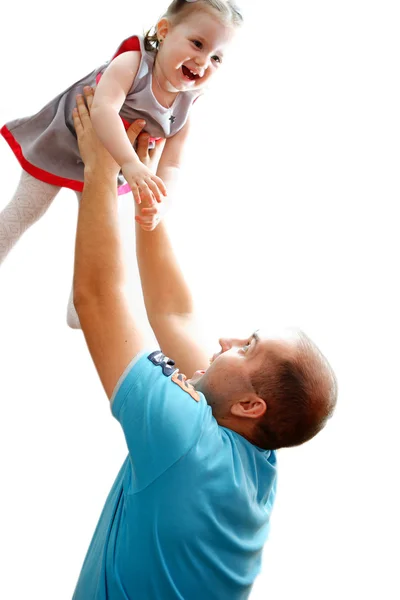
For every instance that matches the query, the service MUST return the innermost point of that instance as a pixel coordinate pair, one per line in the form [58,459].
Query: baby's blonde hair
[179,9]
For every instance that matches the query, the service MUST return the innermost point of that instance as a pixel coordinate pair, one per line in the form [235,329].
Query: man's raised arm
[167,297]
[111,332]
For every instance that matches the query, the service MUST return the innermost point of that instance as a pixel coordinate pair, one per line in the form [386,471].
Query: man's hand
[92,150]
[149,157]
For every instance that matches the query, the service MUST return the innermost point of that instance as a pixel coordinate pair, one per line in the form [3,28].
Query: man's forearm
[170,176]
[98,255]
[165,290]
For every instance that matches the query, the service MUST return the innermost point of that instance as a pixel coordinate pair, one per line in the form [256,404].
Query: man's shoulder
[152,379]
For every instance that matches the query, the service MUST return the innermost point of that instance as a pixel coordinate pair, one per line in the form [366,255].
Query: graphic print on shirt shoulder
[180,379]
[160,360]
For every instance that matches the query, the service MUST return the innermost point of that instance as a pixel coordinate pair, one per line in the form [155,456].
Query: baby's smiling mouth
[189,74]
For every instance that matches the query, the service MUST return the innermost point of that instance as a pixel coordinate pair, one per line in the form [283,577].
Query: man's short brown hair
[301,395]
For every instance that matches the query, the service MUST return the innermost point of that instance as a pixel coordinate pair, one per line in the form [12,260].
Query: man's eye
[197,44]
[216,59]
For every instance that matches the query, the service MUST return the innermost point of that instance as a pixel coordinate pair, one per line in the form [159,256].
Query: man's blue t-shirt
[188,514]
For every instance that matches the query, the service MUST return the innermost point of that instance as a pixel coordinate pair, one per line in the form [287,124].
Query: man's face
[228,378]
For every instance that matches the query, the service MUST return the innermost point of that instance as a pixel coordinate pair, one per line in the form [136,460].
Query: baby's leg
[30,201]
[72,315]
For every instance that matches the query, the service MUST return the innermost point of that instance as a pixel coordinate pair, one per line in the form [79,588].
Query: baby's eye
[216,59]
[246,346]
[198,44]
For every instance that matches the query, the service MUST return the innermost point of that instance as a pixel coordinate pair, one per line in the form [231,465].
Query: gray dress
[45,144]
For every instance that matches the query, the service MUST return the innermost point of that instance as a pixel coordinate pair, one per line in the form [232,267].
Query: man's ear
[252,407]
[163,27]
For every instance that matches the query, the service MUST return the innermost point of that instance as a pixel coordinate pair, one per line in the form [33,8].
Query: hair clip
[191,0]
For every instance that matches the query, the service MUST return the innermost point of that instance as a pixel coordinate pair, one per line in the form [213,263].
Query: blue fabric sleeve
[161,416]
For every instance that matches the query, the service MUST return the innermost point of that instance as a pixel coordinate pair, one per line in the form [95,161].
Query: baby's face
[193,50]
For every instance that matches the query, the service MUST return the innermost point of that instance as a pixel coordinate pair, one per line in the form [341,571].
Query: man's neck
[238,426]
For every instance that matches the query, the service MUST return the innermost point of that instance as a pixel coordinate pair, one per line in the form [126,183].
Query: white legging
[30,201]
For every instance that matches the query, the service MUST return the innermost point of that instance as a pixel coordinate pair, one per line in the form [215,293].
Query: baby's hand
[143,182]
[149,215]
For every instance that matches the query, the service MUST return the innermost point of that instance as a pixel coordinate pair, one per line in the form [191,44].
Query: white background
[288,214]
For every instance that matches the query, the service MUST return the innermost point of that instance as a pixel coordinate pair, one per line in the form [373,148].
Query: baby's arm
[149,214]
[109,96]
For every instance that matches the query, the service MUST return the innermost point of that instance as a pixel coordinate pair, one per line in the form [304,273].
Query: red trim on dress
[36,172]
[43,175]
[132,44]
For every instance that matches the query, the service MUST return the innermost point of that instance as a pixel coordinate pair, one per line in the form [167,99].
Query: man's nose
[225,343]
[228,343]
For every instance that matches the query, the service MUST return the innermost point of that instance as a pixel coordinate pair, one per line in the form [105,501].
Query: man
[188,514]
